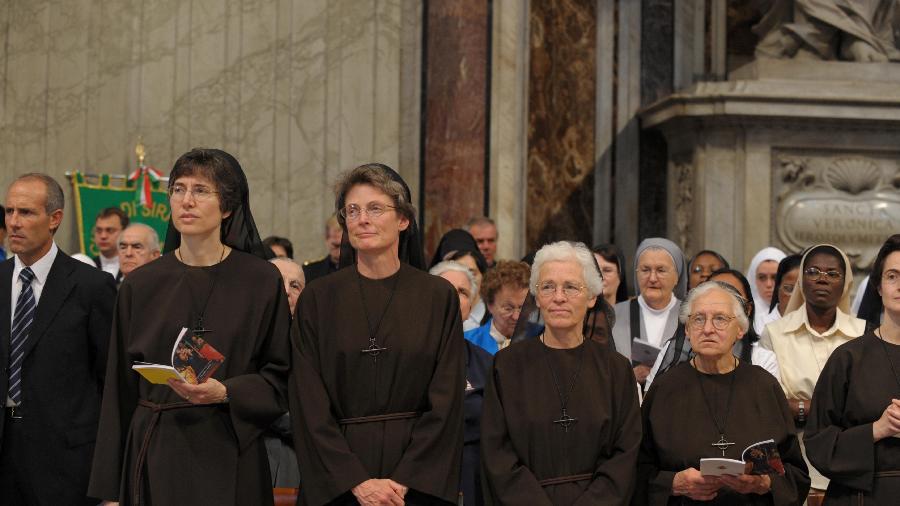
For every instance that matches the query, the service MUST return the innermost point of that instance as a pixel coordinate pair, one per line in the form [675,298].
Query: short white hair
[737,302]
[152,236]
[450,265]
[565,251]
[290,261]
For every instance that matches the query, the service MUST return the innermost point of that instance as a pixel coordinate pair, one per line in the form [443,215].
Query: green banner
[94,193]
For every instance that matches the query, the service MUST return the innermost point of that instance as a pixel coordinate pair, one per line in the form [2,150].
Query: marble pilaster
[509,116]
[455,114]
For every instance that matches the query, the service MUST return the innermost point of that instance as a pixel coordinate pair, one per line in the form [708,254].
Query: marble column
[455,114]
[561,121]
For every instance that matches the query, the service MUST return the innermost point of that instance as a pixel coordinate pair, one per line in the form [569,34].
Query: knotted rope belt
[157,410]
[379,418]
[565,479]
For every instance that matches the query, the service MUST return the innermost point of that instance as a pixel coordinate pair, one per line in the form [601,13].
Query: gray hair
[737,302]
[152,236]
[479,221]
[55,197]
[450,265]
[568,251]
[289,261]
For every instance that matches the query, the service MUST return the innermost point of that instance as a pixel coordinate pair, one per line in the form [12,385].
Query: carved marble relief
[850,200]
[684,204]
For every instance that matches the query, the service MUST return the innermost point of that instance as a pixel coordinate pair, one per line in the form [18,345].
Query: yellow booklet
[193,361]
[157,374]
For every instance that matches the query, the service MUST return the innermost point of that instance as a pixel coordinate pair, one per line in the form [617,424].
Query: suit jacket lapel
[6,270]
[53,295]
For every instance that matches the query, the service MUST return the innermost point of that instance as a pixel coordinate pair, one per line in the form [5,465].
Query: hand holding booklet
[757,459]
[193,361]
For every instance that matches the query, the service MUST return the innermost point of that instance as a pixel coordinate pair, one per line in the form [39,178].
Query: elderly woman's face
[562,295]
[376,224]
[708,340]
[463,288]
[657,277]
[506,308]
[469,262]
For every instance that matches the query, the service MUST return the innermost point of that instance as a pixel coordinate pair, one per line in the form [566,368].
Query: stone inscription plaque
[849,200]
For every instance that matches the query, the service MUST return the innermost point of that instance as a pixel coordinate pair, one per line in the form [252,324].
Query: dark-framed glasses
[815,274]
[373,210]
[177,192]
[719,321]
[549,289]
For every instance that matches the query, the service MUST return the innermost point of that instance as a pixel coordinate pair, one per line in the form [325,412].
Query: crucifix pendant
[373,350]
[722,444]
[565,420]
[198,329]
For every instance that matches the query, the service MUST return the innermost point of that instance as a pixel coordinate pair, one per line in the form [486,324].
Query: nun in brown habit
[376,391]
[196,444]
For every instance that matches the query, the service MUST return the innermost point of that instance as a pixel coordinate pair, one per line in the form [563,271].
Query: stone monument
[789,151]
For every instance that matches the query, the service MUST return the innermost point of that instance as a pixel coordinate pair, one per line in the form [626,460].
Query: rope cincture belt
[405,415]
[566,479]
[145,444]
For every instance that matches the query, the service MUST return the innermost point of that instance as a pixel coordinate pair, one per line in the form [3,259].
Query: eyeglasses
[815,274]
[353,212]
[661,272]
[549,289]
[891,277]
[719,321]
[178,192]
[507,310]
[787,288]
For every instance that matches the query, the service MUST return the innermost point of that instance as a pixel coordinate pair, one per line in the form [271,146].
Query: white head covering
[798,299]
[764,255]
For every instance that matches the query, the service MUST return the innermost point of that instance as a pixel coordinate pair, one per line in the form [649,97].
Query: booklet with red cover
[193,361]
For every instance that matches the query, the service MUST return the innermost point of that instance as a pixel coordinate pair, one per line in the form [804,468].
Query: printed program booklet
[758,458]
[193,361]
[644,352]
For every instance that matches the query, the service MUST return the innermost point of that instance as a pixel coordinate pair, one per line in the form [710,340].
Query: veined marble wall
[297,90]
[561,121]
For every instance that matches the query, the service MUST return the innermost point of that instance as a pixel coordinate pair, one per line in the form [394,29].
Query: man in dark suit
[322,267]
[55,317]
[108,226]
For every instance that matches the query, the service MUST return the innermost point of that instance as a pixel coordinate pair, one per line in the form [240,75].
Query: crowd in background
[632,365]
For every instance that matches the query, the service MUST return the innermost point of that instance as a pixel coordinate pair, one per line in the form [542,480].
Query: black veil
[410,250]
[458,241]
[238,230]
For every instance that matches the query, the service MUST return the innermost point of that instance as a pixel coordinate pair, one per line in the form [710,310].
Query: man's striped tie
[21,327]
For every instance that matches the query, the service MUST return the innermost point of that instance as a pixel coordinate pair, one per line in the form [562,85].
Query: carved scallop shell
[853,175]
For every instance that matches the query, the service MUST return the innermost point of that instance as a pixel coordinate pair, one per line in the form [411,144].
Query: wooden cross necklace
[565,420]
[373,350]
[723,443]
